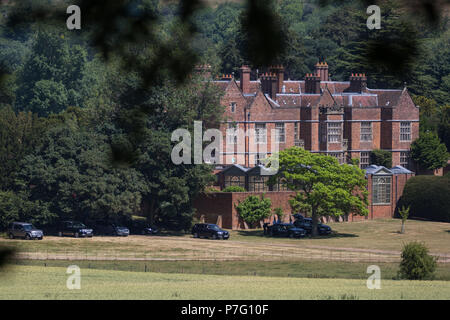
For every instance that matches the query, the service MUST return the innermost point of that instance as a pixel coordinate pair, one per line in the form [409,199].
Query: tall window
[233,106]
[260,133]
[238,181]
[366,131]
[232,133]
[364,160]
[334,132]
[381,190]
[405,131]
[404,159]
[258,183]
[280,131]
[296,135]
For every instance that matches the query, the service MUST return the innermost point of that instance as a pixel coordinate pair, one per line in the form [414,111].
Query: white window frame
[232,133]
[381,190]
[334,132]
[280,132]
[366,156]
[260,133]
[405,131]
[404,159]
[366,132]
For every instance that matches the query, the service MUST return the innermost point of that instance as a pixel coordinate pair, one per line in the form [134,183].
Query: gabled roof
[400,170]
[374,169]
[260,170]
[235,169]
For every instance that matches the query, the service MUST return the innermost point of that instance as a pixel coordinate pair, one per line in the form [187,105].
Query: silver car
[24,230]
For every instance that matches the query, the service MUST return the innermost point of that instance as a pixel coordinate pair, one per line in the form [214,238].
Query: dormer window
[233,107]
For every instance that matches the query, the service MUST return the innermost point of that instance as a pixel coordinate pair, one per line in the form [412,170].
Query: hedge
[428,197]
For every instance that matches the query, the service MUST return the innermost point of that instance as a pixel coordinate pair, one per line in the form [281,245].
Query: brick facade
[319,114]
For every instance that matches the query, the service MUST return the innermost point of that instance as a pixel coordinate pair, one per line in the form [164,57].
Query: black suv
[207,230]
[75,229]
[306,223]
[112,229]
[144,229]
[286,230]
[24,230]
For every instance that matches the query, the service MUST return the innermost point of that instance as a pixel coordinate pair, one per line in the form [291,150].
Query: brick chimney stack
[269,84]
[358,82]
[278,70]
[245,79]
[312,83]
[322,71]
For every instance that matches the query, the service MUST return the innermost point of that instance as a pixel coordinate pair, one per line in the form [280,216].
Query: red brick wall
[213,205]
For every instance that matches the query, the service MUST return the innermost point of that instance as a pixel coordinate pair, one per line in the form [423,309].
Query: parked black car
[111,229]
[75,229]
[144,229]
[306,223]
[285,230]
[207,230]
[24,230]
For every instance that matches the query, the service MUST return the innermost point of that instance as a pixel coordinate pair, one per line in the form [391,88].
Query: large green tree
[72,176]
[19,134]
[52,76]
[429,152]
[322,184]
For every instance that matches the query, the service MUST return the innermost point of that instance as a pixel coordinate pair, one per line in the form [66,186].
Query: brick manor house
[342,119]
[346,120]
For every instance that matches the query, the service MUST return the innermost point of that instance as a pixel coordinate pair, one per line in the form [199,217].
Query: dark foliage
[428,198]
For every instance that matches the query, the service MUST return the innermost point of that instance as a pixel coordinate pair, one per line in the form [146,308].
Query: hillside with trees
[96,107]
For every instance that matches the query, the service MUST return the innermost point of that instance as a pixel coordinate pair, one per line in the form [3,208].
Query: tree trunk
[403,226]
[315,222]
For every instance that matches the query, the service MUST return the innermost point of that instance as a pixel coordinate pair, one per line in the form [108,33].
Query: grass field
[295,269]
[368,241]
[32,282]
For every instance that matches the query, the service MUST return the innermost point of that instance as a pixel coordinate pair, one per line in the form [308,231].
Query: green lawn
[290,269]
[32,282]
[380,234]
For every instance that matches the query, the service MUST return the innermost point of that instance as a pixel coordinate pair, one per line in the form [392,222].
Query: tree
[9,208]
[416,263]
[429,113]
[322,184]
[19,134]
[429,152]
[444,126]
[279,213]
[51,78]
[71,176]
[381,158]
[253,209]
[404,213]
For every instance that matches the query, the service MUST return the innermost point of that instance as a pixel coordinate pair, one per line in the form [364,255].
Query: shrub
[233,189]
[416,263]
[279,213]
[381,158]
[428,198]
[254,209]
